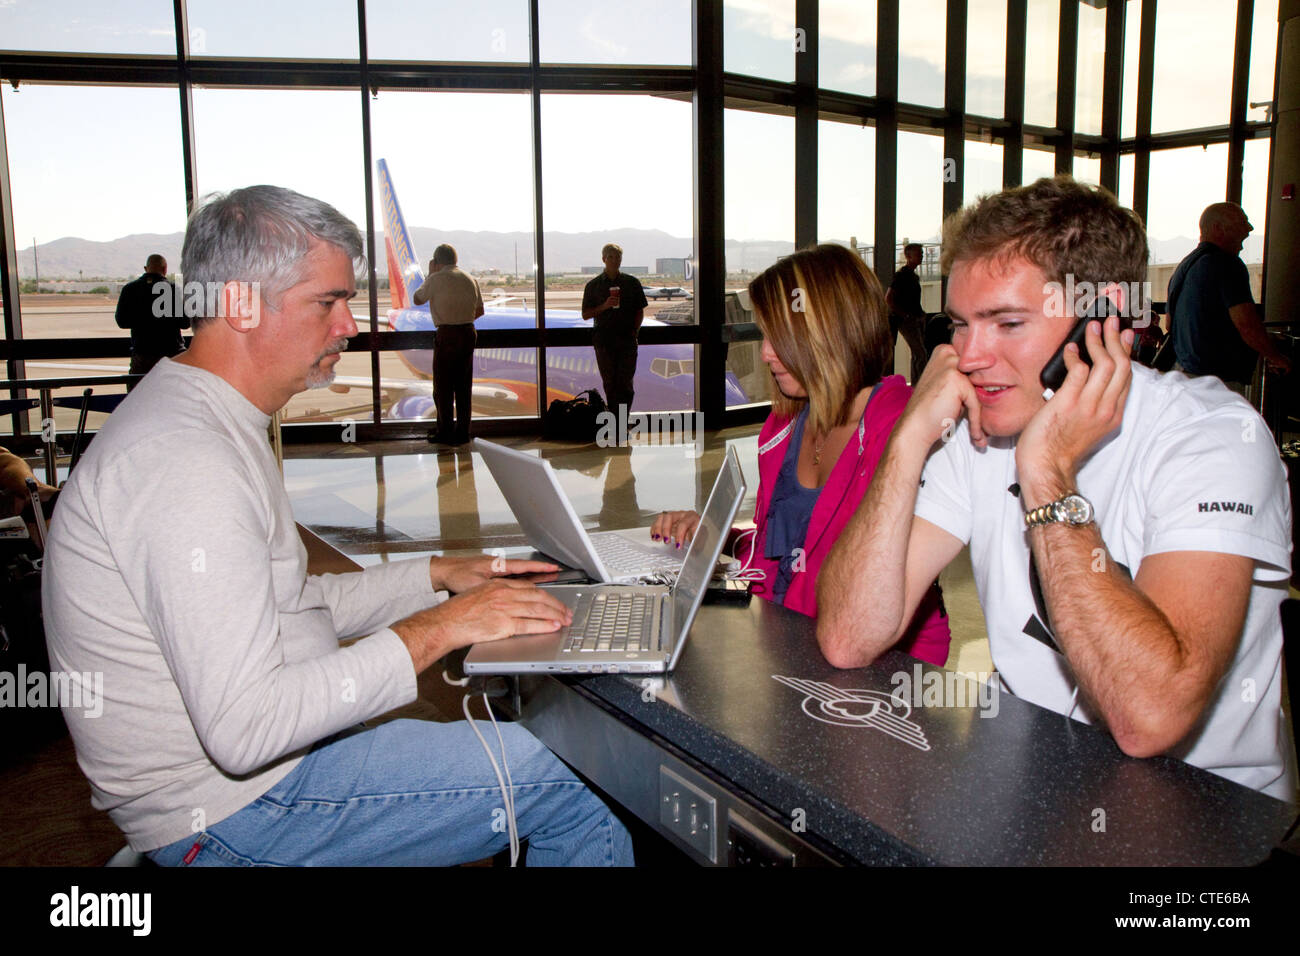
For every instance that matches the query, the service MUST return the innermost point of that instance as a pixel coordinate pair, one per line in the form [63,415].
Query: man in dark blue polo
[1216,325]
[148,307]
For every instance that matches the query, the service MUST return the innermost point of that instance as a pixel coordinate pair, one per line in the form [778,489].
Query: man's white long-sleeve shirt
[174,568]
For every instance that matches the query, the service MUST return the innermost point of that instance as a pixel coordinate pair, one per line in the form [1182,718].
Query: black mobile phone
[1054,371]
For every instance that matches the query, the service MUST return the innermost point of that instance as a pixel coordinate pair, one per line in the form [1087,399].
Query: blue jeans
[413,793]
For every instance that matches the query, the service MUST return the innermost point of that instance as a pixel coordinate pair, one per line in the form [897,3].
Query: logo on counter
[852,707]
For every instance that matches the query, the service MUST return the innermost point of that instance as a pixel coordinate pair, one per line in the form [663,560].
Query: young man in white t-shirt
[1130,536]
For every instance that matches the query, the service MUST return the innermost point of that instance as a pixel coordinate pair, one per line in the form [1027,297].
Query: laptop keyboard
[612,622]
[622,556]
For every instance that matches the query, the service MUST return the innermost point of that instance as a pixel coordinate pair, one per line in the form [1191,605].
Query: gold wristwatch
[1073,509]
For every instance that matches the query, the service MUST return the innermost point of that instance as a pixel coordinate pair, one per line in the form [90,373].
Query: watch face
[1076,509]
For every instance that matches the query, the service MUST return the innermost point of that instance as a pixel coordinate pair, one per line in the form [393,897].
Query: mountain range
[566,252]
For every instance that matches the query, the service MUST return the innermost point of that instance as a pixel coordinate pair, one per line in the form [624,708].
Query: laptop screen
[702,554]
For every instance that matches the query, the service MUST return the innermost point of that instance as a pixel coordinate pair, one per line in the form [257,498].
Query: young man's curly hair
[1063,226]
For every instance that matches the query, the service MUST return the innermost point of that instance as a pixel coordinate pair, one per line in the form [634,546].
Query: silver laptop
[638,629]
[548,520]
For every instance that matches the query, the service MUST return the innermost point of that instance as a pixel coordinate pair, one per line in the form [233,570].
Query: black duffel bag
[574,420]
[29,714]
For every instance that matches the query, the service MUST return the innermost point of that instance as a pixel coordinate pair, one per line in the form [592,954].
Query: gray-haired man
[229,732]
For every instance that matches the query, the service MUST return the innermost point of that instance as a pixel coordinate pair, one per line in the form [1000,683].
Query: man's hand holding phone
[939,400]
[1088,406]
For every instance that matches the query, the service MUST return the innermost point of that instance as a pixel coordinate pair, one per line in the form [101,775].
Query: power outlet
[688,813]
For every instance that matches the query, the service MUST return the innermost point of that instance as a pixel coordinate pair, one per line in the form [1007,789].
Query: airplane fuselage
[665,374]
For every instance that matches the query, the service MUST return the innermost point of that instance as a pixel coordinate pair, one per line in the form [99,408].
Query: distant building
[671,267]
[630,270]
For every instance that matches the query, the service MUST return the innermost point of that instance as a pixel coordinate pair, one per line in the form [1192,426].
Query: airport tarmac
[91,316]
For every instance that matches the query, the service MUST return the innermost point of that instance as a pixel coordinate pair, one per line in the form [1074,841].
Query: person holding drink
[616,303]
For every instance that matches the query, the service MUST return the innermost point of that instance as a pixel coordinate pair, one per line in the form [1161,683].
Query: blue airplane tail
[404,273]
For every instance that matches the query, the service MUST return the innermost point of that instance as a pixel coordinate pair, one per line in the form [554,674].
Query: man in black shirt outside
[150,308]
[1216,326]
[907,316]
[616,302]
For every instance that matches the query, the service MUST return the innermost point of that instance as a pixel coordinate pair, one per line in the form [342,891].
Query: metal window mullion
[185,90]
[1112,93]
[709,184]
[1240,98]
[1146,83]
[1067,68]
[539,242]
[15,368]
[886,137]
[1013,148]
[954,104]
[805,125]
[368,184]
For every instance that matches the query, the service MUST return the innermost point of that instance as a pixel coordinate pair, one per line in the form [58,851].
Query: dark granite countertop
[886,782]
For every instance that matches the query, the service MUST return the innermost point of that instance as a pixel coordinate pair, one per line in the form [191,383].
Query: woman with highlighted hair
[826,341]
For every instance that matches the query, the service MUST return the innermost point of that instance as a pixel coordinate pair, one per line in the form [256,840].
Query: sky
[101,163]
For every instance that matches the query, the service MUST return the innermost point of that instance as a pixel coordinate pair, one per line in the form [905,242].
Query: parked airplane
[505,379]
[666,292]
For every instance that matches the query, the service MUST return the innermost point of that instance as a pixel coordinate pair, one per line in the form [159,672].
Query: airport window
[1125,194]
[982,170]
[1090,69]
[460,167]
[1035,164]
[759,39]
[315,30]
[1193,67]
[986,57]
[313,147]
[486,31]
[640,198]
[1042,44]
[482,140]
[1183,182]
[921,51]
[89,205]
[846,53]
[79,26]
[920,188]
[1132,46]
[759,165]
[1254,196]
[1087,169]
[846,188]
[920,214]
[651,32]
[313,143]
[1263,52]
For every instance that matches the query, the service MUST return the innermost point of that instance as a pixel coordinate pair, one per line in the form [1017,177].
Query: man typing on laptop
[230,731]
